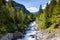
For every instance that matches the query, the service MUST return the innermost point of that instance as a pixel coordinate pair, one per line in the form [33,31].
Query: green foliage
[52,27]
[40,10]
[41,21]
[50,16]
[3,30]
[12,19]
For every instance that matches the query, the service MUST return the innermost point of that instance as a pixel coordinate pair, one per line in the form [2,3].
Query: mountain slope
[17,6]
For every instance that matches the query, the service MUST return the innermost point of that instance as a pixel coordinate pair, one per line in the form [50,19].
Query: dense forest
[12,19]
[50,16]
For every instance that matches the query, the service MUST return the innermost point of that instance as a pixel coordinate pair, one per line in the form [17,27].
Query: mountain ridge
[18,6]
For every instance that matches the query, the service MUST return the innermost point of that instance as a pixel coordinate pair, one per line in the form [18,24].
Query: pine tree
[57,8]
[56,12]
[40,10]
[47,15]
[11,3]
[2,2]
[51,7]
[47,10]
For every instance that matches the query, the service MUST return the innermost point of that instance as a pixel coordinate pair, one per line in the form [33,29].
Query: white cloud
[43,7]
[7,0]
[33,9]
[49,1]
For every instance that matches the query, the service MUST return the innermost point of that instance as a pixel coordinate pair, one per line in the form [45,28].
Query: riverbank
[33,33]
[48,35]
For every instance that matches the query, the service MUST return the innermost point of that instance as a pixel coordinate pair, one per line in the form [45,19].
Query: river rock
[19,39]
[8,36]
[18,34]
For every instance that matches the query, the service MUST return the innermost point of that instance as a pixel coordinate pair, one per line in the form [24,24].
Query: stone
[8,36]
[18,34]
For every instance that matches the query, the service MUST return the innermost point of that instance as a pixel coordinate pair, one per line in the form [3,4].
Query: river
[30,32]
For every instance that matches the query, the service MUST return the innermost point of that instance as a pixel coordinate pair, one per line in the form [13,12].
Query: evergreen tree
[40,10]
[56,9]
[56,12]
[47,14]
[2,2]
[11,3]
[51,7]
[47,9]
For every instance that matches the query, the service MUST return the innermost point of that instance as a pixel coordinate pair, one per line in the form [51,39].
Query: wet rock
[17,39]
[8,36]
[18,34]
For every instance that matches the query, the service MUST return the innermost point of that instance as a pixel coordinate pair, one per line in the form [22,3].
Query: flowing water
[30,32]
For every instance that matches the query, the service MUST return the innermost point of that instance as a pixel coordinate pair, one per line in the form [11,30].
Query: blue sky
[33,5]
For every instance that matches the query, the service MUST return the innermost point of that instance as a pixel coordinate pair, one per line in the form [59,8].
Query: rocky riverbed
[43,35]
[32,33]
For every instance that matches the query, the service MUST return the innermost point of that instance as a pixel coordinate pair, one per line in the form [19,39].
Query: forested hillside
[12,19]
[50,16]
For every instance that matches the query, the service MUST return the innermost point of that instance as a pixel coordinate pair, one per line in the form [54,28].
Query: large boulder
[8,36]
[18,34]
